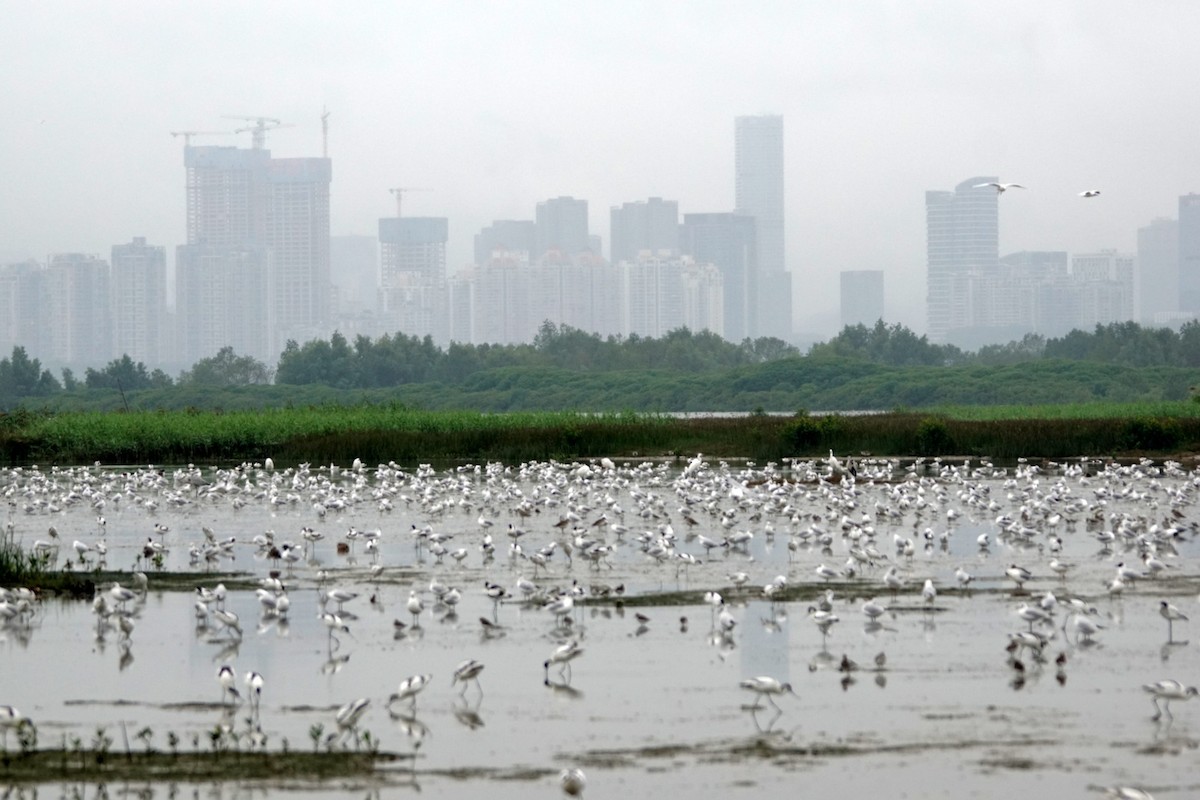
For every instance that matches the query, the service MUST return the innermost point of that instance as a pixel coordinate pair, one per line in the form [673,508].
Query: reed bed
[378,434]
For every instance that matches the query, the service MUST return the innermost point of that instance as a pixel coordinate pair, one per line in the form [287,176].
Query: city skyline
[497,109]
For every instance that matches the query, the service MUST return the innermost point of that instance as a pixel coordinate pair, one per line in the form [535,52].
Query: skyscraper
[270,218]
[962,240]
[1158,270]
[505,235]
[139,296]
[413,275]
[1189,252]
[76,298]
[758,172]
[728,241]
[652,225]
[562,225]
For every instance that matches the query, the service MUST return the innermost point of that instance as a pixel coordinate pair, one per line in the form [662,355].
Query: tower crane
[400,191]
[259,129]
[187,135]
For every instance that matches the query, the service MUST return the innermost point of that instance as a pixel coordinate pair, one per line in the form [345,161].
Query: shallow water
[652,706]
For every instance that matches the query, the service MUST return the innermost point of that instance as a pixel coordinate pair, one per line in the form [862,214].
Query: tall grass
[382,433]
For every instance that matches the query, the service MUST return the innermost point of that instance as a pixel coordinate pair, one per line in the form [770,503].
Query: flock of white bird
[553,528]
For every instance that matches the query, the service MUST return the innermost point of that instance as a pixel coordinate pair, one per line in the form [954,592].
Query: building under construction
[255,270]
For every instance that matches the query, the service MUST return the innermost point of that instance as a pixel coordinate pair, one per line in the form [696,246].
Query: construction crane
[324,132]
[259,128]
[399,191]
[187,135]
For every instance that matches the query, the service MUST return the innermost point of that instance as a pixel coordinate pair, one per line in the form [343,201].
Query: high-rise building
[562,225]
[729,241]
[22,299]
[412,283]
[962,241]
[138,304]
[505,235]
[222,302]
[245,208]
[354,271]
[650,226]
[1104,282]
[298,237]
[1158,270]
[759,188]
[76,302]
[1189,252]
[862,297]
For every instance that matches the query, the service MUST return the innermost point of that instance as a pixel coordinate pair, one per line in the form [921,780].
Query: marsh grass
[380,433]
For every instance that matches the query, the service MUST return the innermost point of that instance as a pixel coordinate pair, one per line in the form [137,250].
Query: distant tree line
[400,359]
[533,372]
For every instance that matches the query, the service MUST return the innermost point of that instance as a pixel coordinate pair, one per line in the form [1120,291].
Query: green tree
[121,373]
[227,368]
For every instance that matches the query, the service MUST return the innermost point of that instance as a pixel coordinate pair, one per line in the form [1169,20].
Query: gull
[573,781]
[1167,691]
[1170,613]
[415,607]
[764,686]
[1018,575]
[929,593]
[873,610]
[1000,188]
[1090,193]
[963,577]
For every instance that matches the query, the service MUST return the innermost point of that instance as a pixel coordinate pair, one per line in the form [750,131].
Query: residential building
[139,302]
[645,226]
[962,242]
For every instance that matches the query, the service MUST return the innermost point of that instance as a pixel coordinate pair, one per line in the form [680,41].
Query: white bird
[409,689]
[1018,575]
[465,672]
[1167,691]
[415,607]
[347,716]
[563,655]
[1000,188]
[254,682]
[573,781]
[873,610]
[1170,613]
[929,592]
[1090,193]
[764,686]
[228,680]
[229,620]
[1127,793]
[963,577]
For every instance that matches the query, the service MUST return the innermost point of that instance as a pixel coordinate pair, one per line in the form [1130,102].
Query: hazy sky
[497,105]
